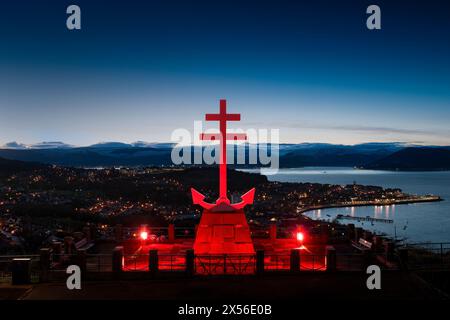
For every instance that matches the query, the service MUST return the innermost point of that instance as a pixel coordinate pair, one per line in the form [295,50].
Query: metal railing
[426,256]
[349,262]
[135,262]
[277,262]
[225,264]
[420,257]
[171,262]
[99,262]
[313,262]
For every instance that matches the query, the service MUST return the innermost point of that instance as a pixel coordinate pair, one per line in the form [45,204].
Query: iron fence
[313,262]
[135,262]
[420,257]
[99,262]
[426,256]
[277,262]
[225,264]
[172,262]
[349,262]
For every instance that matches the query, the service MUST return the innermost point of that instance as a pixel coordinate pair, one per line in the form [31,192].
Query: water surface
[420,222]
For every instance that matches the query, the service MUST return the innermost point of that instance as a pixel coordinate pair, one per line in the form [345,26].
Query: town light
[144,235]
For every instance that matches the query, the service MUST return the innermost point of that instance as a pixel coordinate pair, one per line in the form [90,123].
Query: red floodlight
[144,235]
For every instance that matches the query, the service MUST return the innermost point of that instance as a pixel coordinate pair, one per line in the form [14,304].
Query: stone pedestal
[223,233]
[295,260]
[117,260]
[153,261]
[190,262]
[44,263]
[259,261]
[331,258]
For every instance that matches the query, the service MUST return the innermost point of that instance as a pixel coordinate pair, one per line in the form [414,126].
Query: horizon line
[14,145]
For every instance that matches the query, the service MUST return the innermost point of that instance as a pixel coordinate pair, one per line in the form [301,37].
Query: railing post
[117,260]
[330,258]
[21,271]
[259,261]
[44,263]
[295,260]
[153,261]
[171,232]
[190,262]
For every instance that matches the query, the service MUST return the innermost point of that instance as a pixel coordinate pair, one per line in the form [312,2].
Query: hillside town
[39,204]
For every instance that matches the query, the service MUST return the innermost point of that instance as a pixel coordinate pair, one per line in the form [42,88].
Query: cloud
[353,128]
[382,130]
[40,145]
[14,145]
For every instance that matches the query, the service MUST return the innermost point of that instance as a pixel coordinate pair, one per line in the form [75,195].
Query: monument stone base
[223,233]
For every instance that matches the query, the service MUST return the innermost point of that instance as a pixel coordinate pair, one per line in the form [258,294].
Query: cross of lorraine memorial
[223,227]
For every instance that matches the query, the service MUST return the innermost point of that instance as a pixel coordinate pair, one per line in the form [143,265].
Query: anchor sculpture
[223,227]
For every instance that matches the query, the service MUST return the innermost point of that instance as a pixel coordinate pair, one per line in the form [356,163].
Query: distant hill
[416,158]
[391,156]
[328,155]
[91,157]
[8,167]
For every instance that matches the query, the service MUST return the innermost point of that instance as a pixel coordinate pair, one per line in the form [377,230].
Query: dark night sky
[140,69]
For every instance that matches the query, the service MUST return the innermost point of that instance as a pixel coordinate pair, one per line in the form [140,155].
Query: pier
[341,216]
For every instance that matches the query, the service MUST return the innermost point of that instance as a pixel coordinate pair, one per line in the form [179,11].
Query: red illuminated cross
[223,117]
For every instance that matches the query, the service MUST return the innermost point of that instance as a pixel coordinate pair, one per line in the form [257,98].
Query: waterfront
[418,222]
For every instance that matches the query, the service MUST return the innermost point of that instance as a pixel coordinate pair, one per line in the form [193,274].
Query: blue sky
[140,69]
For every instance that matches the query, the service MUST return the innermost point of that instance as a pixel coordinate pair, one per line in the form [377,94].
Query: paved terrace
[304,286]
